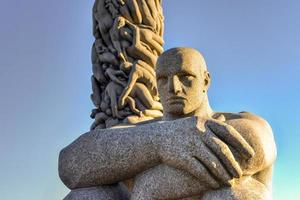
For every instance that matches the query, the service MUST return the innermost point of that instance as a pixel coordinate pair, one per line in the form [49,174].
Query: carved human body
[114,89]
[183,81]
[127,32]
[142,73]
[210,156]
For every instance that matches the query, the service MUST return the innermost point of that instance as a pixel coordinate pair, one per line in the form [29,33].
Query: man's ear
[206,80]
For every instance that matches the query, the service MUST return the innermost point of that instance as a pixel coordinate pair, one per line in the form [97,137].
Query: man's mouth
[175,99]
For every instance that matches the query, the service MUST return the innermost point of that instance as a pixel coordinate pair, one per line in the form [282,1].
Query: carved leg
[143,53]
[131,102]
[112,90]
[153,113]
[153,40]
[142,93]
[116,41]
[134,11]
[127,90]
[115,192]
[146,15]
[245,189]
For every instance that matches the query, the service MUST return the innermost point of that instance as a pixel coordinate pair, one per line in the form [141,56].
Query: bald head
[177,57]
[182,80]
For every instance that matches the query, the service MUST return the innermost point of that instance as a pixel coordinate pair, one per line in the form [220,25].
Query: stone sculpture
[193,153]
[128,40]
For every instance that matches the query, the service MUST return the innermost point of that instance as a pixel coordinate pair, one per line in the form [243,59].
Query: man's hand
[203,150]
[219,136]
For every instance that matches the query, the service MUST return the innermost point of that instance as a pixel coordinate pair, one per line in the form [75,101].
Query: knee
[97,193]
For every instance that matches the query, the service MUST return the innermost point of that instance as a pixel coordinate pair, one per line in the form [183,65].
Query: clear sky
[252,48]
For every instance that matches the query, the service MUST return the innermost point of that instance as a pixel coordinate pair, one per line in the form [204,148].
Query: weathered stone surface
[99,193]
[194,153]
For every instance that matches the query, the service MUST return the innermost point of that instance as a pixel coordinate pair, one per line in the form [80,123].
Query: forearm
[107,156]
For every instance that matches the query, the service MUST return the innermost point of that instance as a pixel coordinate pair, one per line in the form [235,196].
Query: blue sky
[252,51]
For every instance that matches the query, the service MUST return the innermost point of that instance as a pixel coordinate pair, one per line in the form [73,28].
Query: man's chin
[179,110]
[176,109]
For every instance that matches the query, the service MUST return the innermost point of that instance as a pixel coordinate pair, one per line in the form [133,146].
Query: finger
[196,168]
[223,152]
[232,137]
[213,165]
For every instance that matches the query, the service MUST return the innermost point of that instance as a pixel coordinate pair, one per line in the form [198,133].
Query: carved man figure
[183,81]
[195,153]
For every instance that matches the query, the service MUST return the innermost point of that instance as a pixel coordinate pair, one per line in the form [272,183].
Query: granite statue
[192,153]
[128,39]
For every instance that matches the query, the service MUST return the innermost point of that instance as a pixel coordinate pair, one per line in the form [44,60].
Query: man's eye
[187,77]
[190,77]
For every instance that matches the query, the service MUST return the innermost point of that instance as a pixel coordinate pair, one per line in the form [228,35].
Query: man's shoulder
[241,117]
[247,123]
[257,132]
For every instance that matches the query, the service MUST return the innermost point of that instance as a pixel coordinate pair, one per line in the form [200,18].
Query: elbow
[263,142]
[67,169]
[80,164]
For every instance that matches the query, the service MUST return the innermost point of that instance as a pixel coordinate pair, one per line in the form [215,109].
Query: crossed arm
[109,156]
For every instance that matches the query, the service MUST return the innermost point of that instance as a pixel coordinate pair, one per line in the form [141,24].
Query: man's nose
[174,85]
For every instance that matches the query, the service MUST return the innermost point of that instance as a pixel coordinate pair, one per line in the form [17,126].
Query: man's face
[181,83]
